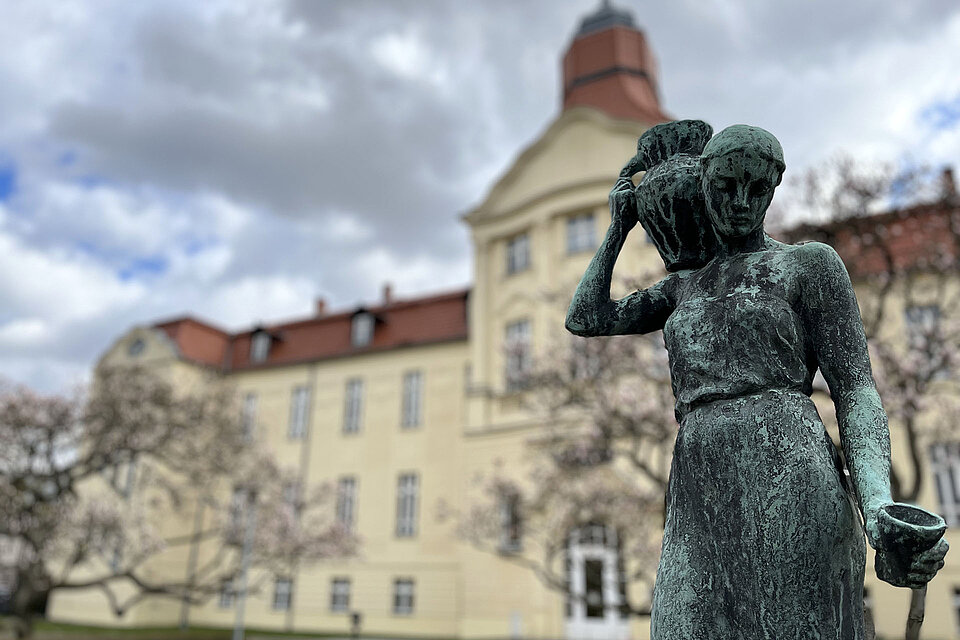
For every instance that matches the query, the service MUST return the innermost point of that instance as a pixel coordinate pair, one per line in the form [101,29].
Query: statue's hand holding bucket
[910,551]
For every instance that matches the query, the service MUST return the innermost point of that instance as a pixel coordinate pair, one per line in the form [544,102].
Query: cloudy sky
[236,159]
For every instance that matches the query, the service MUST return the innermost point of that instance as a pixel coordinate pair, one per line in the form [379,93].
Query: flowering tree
[90,483]
[602,457]
[898,231]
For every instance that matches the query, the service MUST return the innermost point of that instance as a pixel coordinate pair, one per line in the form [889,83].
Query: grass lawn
[44,630]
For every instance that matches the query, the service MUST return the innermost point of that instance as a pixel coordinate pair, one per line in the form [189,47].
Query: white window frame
[404,596]
[945,467]
[353,405]
[517,341]
[412,409]
[581,233]
[282,594]
[347,501]
[259,346]
[518,253]
[361,329]
[408,488]
[248,415]
[299,412]
[340,594]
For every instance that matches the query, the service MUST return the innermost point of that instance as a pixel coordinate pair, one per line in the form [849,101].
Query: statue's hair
[736,137]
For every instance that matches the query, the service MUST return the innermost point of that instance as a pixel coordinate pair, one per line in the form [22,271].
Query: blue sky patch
[8,181]
[144,268]
[943,115]
[67,159]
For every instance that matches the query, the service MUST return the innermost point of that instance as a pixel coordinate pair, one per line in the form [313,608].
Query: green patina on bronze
[763,536]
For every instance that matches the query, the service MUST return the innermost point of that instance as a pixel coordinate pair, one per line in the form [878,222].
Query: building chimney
[387,293]
[321,306]
[948,186]
[610,67]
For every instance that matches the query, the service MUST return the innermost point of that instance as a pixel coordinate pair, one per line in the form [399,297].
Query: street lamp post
[238,625]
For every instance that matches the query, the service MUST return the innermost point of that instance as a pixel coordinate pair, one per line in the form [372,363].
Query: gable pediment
[581,147]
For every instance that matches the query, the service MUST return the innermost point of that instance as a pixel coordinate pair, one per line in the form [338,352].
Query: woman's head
[740,168]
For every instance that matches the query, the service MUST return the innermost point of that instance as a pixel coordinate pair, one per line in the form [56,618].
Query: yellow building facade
[404,404]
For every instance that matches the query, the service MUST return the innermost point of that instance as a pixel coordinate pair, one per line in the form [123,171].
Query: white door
[594,607]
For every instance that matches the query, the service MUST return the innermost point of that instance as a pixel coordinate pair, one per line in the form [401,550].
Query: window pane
[517,347]
[282,594]
[361,330]
[353,406]
[412,398]
[340,594]
[407,505]
[346,501]
[518,253]
[299,410]
[403,596]
[580,233]
[259,346]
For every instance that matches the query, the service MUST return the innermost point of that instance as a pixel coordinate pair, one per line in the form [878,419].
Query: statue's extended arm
[592,312]
[833,323]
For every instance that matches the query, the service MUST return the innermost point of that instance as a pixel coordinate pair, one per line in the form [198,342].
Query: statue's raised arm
[667,203]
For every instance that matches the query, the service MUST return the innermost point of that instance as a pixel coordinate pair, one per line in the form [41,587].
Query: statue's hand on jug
[623,204]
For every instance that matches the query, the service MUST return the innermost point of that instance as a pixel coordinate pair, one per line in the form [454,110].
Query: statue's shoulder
[819,262]
[813,253]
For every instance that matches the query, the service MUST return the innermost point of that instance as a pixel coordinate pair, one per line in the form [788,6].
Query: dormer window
[361,331]
[259,346]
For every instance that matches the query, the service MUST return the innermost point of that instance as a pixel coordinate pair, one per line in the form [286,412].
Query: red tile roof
[920,237]
[614,71]
[401,323]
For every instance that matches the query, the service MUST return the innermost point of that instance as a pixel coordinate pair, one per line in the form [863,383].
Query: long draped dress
[763,539]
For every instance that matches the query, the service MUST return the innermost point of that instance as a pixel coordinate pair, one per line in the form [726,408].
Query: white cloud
[252,154]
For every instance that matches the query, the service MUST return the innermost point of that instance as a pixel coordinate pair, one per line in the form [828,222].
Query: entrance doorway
[596,585]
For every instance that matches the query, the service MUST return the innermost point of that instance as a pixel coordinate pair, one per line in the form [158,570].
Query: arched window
[361,330]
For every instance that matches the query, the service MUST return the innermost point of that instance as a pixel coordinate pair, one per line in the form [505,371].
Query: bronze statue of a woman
[763,536]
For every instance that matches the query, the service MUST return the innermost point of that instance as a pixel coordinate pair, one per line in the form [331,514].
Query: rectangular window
[299,412]
[282,594]
[361,329]
[581,233]
[518,253]
[407,486]
[517,346]
[353,408]
[340,594]
[227,594]
[248,416]
[403,589]
[259,346]
[945,466]
[510,530]
[346,501]
[412,399]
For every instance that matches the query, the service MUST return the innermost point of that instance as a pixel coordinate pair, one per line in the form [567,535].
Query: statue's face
[738,188]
